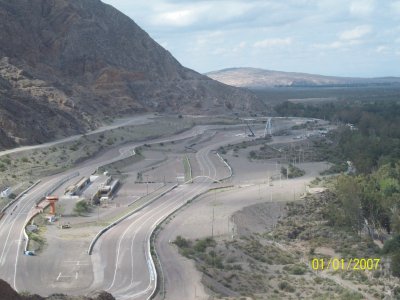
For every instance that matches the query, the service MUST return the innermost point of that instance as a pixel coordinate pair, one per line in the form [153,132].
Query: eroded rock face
[7,292]
[68,63]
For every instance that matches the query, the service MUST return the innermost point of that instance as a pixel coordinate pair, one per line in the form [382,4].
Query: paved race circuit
[120,262]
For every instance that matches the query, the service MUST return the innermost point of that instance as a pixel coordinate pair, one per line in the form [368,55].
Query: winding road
[121,262]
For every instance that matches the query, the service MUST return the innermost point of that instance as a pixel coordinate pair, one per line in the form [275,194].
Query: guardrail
[57,185]
[19,196]
[104,230]
[229,167]
[152,235]
[49,191]
[154,269]
[140,198]
[190,168]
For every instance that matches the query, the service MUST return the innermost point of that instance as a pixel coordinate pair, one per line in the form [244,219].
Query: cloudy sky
[330,37]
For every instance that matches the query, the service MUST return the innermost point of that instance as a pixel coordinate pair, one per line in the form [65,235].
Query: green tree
[349,194]
[81,207]
[395,264]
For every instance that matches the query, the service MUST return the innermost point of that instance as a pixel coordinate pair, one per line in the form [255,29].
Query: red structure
[52,200]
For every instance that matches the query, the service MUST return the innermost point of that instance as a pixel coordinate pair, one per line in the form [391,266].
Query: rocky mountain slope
[259,78]
[65,65]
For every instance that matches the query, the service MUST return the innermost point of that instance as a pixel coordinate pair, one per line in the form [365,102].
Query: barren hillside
[66,65]
[259,79]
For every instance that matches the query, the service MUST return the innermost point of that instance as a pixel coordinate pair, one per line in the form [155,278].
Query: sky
[359,38]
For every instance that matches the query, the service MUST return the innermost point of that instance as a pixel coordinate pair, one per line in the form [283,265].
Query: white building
[5,193]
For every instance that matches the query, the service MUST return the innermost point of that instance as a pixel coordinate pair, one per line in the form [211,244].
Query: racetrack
[121,262]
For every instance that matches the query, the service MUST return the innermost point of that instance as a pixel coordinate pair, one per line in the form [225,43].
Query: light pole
[147,184]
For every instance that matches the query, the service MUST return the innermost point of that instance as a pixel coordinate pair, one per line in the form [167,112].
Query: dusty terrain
[243,233]
[250,239]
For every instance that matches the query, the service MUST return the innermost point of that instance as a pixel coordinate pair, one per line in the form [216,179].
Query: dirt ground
[242,261]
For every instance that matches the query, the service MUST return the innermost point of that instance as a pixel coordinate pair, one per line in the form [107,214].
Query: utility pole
[213,214]
[212,224]
[287,173]
[147,184]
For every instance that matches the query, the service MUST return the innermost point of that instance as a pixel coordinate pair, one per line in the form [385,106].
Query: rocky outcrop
[7,293]
[66,64]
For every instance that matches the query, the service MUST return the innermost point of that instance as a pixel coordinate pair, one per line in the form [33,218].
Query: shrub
[110,141]
[285,286]
[181,242]
[395,264]
[252,154]
[81,207]
[392,245]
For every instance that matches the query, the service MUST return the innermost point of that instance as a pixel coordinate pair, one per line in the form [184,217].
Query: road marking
[19,245]
[77,262]
[207,168]
[60,276]
[163,206]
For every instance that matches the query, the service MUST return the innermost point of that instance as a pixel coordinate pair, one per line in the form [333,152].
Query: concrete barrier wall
[101,232]
[152,236]
[228,166]
[19,196]
[50,191]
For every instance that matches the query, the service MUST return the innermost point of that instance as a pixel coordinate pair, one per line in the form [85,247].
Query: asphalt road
[137,120]
[120,262]
[121,259]
[65,266]
[11,234]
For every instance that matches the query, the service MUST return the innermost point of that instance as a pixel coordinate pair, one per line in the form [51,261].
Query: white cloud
[395,6]
[344,45]
[199,14]
[347,38]
[339,29]
[268,43]
[242,45]
[355,33]
[206,39]
[333,45]
[363,8]
[382,49]
[178,18]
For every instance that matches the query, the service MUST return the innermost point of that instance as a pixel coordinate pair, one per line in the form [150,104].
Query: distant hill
[66,65]
[259,79]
